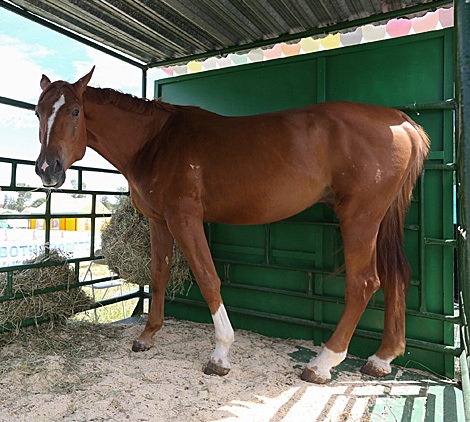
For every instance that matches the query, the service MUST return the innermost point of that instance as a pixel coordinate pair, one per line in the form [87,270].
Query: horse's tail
[392,266]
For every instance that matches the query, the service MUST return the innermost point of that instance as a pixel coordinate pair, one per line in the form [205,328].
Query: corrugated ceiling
[175,30]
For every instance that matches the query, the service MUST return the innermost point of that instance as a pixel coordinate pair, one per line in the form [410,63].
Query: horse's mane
[130,102]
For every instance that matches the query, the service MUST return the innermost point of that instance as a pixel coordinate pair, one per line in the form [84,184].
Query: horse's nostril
[58,166]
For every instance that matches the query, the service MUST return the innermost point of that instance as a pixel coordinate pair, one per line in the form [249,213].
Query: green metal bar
[267,243]
[321,79]
[47,219]
[23,324]
[226,277]
[80,180]
[310,288]
[448,181]
[440,242]
[449,104]
[48,263]
[23,12]
[437,105]
[76,268]
[94,281]
[68,191]
[93,225]
[421,246]
[58,288]
[16,103]
[117,299]
[82,168]
[139,308]
[442,167]
[320,296]
[144,82]
[10,284]
[309,33]
[53,215]
[322,271]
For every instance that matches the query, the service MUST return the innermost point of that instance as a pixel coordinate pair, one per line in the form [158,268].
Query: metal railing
[48,216]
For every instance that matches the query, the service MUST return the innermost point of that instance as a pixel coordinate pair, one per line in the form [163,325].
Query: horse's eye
[75,113]
[37,114]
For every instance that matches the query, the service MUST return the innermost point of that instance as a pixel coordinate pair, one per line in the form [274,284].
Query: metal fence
[89,253]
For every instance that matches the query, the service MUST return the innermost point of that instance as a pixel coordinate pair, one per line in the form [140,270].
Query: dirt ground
[87,372]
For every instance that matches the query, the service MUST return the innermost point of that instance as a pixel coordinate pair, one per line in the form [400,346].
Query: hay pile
[125,243]
[57,305]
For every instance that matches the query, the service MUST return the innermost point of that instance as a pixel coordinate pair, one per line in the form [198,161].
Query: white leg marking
[324,361]
[50,121]
[382,364]
[223,338]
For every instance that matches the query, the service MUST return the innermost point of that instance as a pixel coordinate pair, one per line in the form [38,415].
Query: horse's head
[62,130]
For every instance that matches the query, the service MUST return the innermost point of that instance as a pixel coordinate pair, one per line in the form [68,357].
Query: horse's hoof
[374,370]
[311,376]
[140,346]
[213,369]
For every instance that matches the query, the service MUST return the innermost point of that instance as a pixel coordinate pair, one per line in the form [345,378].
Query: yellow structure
[75,206]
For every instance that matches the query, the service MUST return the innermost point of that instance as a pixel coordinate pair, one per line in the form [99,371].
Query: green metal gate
[277,278]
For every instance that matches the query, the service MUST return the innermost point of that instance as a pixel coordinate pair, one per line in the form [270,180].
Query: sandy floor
[87,372]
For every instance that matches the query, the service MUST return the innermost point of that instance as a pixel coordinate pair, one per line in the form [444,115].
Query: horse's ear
[45,82]
[82,83]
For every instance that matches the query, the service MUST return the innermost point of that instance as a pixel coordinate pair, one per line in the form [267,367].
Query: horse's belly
[264,207]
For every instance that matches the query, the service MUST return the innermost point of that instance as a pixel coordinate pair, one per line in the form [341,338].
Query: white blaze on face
[50,121]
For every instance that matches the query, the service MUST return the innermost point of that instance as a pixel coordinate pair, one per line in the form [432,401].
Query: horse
[186,166]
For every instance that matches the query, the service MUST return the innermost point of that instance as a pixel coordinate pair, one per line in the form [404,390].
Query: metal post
[144,82]
[462,26]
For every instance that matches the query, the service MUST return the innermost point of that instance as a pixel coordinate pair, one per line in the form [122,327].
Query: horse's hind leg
[395,288]
[393,337]
[359,234]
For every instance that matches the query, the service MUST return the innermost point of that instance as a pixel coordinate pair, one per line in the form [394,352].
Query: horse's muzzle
[51,171]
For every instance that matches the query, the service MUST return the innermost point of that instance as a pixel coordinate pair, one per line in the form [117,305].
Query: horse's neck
[119,135]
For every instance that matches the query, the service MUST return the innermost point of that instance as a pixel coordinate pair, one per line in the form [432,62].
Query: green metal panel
[277,278]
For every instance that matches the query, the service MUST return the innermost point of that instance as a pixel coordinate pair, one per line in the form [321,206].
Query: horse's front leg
[189,233]
[161,247]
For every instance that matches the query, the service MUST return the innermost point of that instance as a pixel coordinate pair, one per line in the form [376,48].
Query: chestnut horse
[186,165]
